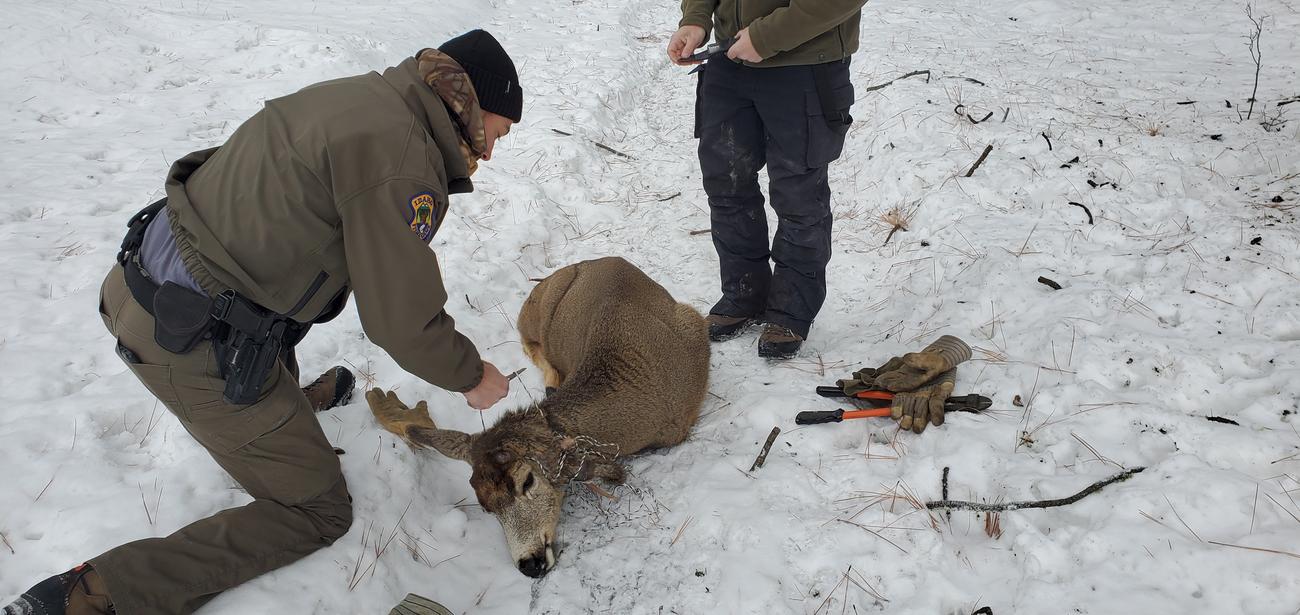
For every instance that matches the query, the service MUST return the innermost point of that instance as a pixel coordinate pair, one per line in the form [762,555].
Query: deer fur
[629,368]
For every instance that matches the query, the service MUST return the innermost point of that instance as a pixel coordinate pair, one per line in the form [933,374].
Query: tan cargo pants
[274,448]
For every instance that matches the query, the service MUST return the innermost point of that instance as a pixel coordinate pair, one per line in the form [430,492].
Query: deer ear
[454,444]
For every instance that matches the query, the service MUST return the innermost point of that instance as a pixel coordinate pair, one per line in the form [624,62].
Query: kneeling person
[333,190]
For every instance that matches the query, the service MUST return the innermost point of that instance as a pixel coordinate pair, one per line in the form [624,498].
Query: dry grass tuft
[993,525]
[896,219]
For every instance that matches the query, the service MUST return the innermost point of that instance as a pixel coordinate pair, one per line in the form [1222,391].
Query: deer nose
[534,567]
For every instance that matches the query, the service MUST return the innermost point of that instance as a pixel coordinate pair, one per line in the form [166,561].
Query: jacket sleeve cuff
[474,371]
[477,377]
[705,21]
[760,38]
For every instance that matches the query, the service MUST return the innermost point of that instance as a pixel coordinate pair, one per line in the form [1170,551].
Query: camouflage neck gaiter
[446,77]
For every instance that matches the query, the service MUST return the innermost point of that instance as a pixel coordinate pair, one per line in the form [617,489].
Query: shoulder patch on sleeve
[421,213]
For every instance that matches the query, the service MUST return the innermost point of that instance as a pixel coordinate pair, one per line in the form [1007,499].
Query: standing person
[780,97]
[333,190]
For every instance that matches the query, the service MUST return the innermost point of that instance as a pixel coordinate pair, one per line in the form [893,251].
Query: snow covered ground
[1180,300]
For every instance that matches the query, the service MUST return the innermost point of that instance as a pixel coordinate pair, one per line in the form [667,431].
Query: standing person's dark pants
[747,118]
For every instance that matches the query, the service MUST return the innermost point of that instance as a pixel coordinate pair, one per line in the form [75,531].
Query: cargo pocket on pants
[826,142]
[156,378]
[227,427]
[699,98]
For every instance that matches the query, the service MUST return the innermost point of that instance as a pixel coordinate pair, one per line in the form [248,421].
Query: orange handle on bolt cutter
[880,395]
[868,413]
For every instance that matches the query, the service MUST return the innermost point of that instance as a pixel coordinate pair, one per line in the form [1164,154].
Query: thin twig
[873,532]
[987,149]
[1256,52]
[1085,210]
[681,530]
[1261,549]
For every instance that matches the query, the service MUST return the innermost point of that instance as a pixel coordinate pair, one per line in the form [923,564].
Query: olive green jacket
[784,32]
[332,190]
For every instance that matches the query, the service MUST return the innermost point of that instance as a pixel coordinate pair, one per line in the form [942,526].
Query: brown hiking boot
[79,591]
[333,388]
[723,328]
[777,342]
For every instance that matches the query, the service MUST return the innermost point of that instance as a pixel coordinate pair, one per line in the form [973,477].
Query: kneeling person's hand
[490,390]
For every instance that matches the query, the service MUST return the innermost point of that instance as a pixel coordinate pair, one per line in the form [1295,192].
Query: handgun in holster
[249,347]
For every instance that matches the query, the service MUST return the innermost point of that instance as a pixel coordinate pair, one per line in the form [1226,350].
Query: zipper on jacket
[311,292]
[839,33]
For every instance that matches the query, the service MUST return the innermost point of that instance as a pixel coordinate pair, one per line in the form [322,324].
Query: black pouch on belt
[181,317]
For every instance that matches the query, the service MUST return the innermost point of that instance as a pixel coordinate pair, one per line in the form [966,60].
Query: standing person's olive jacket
[334,189]
[784,32]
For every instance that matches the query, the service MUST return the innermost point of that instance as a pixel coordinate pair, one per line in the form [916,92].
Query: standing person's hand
[683,43]
[490,389]
[743,48]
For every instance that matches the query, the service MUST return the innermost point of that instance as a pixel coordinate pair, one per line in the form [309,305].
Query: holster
[248,345]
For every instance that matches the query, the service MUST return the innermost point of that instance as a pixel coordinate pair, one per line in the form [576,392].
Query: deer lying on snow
[628,366]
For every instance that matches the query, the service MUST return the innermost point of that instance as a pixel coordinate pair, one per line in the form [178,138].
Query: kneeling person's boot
[723,328]
[777,342]
[79,591]
[333,388]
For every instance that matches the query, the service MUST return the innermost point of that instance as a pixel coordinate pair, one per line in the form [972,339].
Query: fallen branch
[670,197]
[1049,141]
[703,231]
[982,507]
[767,446]
[886,84]
[987,149]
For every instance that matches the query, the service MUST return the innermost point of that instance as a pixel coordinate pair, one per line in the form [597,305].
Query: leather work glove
[415,604]
[919,368]
[396,416]
[914,409]
[865,379]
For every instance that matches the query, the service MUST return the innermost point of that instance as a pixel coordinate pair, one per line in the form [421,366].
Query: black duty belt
[246,337]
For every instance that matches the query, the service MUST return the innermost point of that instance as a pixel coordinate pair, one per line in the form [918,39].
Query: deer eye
[528,484]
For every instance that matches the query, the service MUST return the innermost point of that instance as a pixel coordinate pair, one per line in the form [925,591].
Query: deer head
[520,468]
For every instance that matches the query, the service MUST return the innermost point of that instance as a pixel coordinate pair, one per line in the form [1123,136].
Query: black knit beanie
[490,70]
